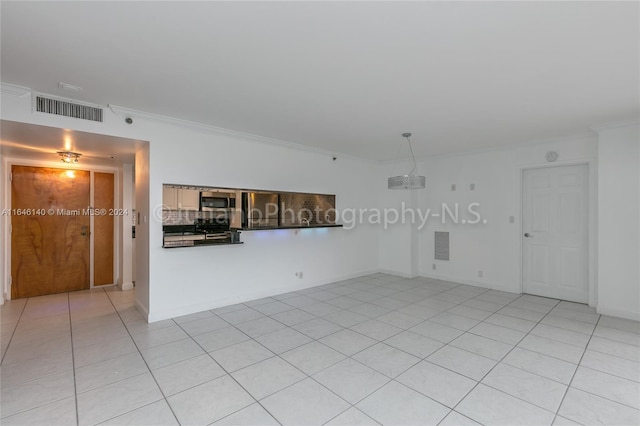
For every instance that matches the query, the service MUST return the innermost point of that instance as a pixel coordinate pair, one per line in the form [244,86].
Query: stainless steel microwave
[212,201]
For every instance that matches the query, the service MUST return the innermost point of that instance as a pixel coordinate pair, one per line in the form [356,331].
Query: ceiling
[42,143]
[347,77]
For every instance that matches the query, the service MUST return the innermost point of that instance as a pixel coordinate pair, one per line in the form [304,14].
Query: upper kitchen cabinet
[169,197]
[175,198]
[188,199]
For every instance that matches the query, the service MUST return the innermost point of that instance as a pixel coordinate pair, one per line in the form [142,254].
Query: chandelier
[408,181]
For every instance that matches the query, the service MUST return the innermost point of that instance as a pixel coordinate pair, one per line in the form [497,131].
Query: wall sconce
[69,157]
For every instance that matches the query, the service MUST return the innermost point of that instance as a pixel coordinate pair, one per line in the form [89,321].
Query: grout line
[356,408]
[376,341]
[637,379]
[604,397]
[614,355]
[355,360]
[498,363]
[73,361]
[231,376]
[46,374]
[143,360]
[575,372]
[307,375]
[13,332]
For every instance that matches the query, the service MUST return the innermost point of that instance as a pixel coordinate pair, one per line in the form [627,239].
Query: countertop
[188,231]
[198,243]
[267,228]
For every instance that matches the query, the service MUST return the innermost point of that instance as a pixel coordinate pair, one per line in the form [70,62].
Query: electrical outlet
[472,187]
[299,274]
[433,266]
[480,274]
[512,219]
[453,186]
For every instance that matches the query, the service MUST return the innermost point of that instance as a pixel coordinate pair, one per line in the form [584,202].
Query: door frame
[8,163]
[591,220]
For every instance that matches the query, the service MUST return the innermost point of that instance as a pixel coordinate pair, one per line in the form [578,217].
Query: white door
[555,227]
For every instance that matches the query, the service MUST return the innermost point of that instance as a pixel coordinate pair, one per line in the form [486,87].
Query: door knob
[528,235]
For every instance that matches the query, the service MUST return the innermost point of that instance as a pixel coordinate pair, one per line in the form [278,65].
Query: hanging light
[69,156]
[408,181]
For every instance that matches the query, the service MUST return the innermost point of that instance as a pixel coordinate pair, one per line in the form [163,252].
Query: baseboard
[487,285]
[349,276]
[125,286]
[621,313]
[396,273]
[246,297]
[144,311]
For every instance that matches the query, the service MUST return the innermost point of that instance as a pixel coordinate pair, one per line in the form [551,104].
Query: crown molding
[501,148]
[615,125]
[14,90]
[130,112]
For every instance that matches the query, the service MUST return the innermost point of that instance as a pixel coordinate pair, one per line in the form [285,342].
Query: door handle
[528,235]
[84,231]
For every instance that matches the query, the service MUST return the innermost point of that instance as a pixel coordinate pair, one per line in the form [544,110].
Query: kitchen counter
[198,243]
[268,228]
[184,236]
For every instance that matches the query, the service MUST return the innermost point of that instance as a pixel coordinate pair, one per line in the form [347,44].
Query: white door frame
[592,254]
[8,162]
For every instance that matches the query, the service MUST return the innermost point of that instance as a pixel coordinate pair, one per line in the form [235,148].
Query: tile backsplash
[179,217]
[318,209]
[188,217]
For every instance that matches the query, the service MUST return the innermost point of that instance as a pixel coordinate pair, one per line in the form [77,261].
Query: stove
[212,228]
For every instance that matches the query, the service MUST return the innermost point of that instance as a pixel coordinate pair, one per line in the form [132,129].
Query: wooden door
[49,232]
[103,228]
[555,230]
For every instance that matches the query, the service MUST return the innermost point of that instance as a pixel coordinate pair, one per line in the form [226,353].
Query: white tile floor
[373,350]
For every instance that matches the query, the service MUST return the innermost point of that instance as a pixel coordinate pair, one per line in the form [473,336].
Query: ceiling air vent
[68,109]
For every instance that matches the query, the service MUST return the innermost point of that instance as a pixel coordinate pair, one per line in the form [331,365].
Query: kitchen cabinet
[180,199]
[188,199]
[169,198]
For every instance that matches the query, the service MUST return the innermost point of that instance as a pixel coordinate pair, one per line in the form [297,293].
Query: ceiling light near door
[69,156]
[408,181]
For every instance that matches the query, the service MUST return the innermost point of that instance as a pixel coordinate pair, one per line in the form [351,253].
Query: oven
[213,229]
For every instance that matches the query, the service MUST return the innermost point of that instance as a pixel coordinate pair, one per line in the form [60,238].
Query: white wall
[186,280]
[494,247]
[142,270]
[619,222]
[172,282]
[488,247]
[192,279]
[125,279]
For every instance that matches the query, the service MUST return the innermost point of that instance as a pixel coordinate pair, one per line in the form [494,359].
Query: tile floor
[373,350]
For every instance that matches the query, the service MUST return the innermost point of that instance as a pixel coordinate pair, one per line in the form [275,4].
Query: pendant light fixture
[408,181]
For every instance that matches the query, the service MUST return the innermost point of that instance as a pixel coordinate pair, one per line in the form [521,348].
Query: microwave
[212,201]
